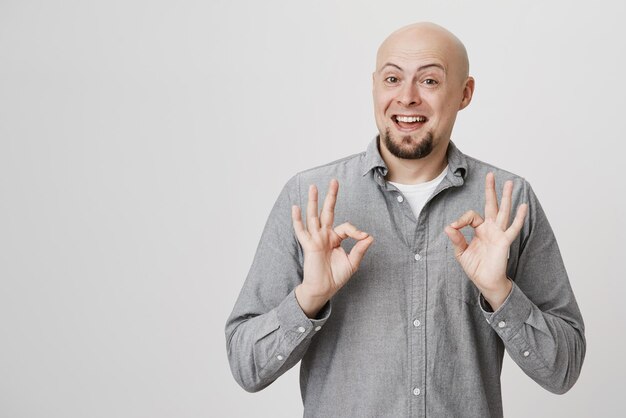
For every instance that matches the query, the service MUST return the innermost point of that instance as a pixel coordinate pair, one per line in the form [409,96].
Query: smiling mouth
[409,123]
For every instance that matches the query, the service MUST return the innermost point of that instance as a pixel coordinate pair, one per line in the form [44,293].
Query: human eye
[430,81]
[391,79]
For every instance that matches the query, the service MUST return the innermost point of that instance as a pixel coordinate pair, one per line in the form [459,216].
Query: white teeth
[411,118]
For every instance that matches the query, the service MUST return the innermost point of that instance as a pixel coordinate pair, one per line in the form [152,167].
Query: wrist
[309,302]
[497,295]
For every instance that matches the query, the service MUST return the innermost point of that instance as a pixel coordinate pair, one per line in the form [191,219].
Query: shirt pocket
[458,285]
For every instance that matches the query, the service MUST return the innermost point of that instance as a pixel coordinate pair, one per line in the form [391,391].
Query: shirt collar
[457,162]
[373,159]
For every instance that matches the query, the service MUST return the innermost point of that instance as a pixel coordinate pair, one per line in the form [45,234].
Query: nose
[409,95]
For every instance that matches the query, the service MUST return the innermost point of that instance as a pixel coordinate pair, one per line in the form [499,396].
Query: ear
[468,92]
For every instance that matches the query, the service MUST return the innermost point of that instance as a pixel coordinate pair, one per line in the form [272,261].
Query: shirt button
[400,199]
[418,257]
[501,324]
[279,357]
[301,329]
[526,353]
[317,328]
[416,323]
[416,391]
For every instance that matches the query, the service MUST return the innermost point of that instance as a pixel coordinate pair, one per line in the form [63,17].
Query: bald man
[400,296]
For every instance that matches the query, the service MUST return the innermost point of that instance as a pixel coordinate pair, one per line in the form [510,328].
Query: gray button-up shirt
[409,334]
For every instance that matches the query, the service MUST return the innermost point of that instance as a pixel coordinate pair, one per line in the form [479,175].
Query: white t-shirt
[418,194]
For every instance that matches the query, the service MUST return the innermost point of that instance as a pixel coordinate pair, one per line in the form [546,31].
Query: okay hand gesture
[327,267]
[484,259]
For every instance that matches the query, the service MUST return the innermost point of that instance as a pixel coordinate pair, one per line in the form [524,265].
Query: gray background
[143,143]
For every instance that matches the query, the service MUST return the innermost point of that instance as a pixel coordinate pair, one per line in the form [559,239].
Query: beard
[419,150]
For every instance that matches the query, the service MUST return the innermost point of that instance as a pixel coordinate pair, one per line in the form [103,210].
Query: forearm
[548,348]
[263,347]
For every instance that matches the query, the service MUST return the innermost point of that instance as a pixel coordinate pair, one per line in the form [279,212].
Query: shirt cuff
[294,322]
[511,315]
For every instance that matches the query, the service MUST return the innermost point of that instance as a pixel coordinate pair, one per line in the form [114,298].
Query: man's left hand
[484,259]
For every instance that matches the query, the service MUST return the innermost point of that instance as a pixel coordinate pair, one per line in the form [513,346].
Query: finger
[298,226]
[346,230]
[328,211]
[518,223]
[470,218]
[491,200]
[312,221]
[358,251]
[457,239]
[505,205]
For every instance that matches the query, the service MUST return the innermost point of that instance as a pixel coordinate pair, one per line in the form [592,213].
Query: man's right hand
[327,267]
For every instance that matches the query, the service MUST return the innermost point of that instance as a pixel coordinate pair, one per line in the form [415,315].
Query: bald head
[426,39]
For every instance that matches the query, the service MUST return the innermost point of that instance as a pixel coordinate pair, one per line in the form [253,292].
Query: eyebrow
[423,67]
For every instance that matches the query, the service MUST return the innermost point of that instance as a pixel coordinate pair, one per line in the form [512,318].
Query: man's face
[418,90]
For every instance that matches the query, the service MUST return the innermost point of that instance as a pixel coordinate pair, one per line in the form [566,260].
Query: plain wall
[143,143]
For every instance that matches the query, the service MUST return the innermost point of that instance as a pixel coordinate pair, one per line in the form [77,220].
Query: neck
[406,171]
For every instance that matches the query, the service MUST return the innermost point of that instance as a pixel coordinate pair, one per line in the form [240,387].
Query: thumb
[457,239]
[358,251]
